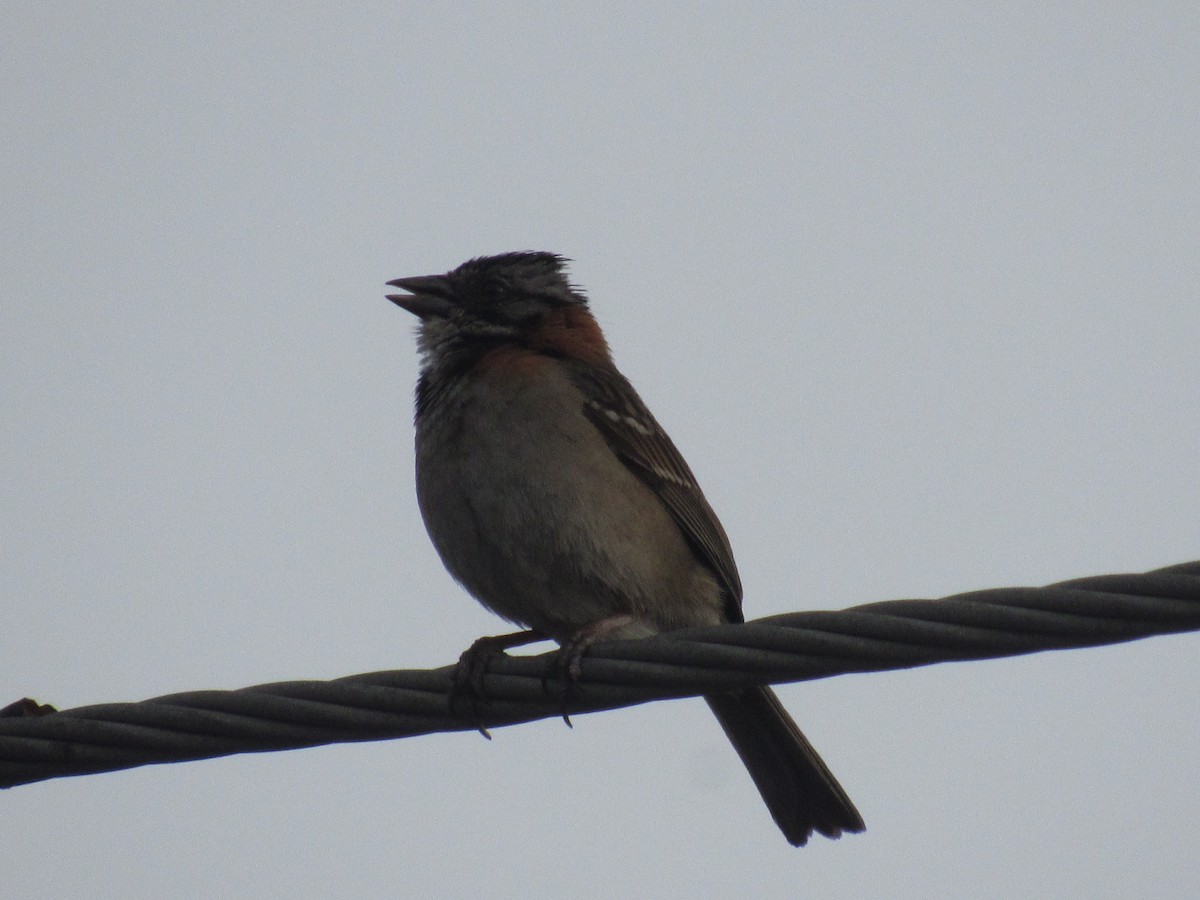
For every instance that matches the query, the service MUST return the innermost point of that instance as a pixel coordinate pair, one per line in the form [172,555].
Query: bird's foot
[566,666]
[466,681]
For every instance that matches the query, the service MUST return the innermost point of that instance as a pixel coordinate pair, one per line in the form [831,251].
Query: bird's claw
[466,680]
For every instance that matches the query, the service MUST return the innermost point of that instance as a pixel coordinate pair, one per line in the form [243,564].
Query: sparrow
[557,500]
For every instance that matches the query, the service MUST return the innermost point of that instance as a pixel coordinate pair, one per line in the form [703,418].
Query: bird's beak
[427,298]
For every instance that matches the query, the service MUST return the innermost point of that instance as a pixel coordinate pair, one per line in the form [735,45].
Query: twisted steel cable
[36,744]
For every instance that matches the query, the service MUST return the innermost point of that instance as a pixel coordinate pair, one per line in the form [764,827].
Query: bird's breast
[536,516]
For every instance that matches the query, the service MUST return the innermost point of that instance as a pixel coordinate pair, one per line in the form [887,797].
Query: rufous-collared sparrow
[558,501]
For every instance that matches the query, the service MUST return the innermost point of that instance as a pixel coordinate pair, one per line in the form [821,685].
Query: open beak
[427,296]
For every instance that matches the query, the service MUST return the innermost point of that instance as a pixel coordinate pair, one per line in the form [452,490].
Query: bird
[554,497]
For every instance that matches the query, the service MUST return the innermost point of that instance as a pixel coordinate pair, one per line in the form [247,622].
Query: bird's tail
[800,791]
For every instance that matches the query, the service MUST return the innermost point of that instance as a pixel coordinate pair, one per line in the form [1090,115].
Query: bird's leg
[567,665]
[467,677]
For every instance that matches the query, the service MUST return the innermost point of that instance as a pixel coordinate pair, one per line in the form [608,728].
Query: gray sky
[915,293]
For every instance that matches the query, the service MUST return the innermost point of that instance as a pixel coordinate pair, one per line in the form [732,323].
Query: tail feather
[799,790]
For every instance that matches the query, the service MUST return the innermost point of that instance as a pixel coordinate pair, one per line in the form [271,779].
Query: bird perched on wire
[558,501]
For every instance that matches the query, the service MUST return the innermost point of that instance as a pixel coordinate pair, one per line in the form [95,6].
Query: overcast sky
[915,293]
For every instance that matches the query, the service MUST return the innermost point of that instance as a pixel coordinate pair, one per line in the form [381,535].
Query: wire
[897,634]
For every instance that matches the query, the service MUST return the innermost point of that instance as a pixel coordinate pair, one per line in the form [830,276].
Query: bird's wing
[633,434]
